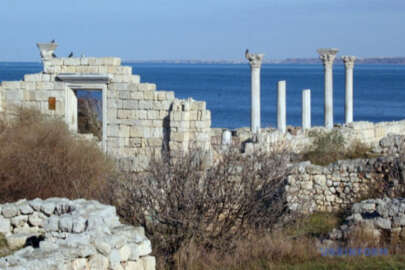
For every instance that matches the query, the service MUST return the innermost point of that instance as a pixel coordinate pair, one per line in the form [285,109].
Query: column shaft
[328,106]
[306,109]
[255,100]
[281,107]
[349,65]
[349,96]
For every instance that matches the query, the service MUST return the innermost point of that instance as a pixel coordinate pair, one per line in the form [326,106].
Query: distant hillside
[375,60]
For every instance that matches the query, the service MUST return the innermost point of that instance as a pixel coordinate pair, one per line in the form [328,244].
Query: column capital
[327,56]
[255,59]
[349,61]
[46,50]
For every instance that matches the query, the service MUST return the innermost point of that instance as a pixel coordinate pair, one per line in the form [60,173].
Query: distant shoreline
[303,61]
[307,61]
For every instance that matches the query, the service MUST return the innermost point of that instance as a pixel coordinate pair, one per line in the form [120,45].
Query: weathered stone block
[134,265]
[9,210]
[137,95]
[11,84]
[71,61]
[98,262]
[19,221]
[149,263]
[33,77]
[5,226]
[146,87]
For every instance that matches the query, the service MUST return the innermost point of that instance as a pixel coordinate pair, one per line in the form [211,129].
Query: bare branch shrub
[179,201]
[39,157]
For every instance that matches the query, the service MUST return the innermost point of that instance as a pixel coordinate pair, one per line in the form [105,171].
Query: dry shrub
[329,147]
[180,202]
[39,157]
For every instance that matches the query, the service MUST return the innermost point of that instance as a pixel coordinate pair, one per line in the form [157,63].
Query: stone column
[349,64]
[255,61]
[226,139]
[46,50]
[328,56]
[306,109]
[281,106]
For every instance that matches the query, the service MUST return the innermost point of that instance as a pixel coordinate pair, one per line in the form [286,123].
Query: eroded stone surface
[63,234]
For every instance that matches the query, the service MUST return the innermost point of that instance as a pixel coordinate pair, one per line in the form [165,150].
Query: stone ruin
[61,234]
[137,120]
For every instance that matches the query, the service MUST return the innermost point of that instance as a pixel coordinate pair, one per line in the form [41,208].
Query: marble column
[349,65]
[281,106]
[306,109]
[226,139]
[328,56]
[255,61]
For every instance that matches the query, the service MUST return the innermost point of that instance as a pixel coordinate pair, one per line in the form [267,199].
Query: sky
[207,29]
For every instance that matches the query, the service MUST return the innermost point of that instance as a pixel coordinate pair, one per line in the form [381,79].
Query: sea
[379,90]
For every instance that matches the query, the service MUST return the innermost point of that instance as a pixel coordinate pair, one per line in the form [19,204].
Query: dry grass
[39,157]
[261,251]
[331,146]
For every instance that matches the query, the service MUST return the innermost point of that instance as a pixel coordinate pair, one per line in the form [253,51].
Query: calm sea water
[379,90]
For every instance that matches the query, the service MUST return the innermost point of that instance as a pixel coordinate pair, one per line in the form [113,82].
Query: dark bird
[53,41]
[247,52]
[70,55]
[54,55]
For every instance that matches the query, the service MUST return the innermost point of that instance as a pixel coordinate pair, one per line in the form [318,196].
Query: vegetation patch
[315,225]
[40,157]
[329,147]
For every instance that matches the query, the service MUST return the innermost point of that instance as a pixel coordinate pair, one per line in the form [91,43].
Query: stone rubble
[58,233]
[374,216]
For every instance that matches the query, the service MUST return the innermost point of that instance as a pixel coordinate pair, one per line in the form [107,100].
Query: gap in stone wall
[90,112]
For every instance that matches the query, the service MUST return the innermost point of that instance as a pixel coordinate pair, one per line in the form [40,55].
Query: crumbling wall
[140,121]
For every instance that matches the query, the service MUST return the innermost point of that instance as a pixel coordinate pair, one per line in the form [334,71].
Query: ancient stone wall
[298,139]
[334,187]
[62,234]
[380,219]
[138,120]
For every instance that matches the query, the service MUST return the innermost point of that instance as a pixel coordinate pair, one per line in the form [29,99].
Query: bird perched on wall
[70,55]
[53,41]
[54,55]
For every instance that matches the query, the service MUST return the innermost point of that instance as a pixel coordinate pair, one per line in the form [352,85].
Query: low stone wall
[375,217]
[298,139]
[313,188]
[61,234]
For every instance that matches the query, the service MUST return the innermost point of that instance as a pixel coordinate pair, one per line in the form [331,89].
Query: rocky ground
[61,234]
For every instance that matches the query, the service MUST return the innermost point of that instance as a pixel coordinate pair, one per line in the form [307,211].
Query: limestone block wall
[190,123]
[58,233]
[139,120]
[334,187]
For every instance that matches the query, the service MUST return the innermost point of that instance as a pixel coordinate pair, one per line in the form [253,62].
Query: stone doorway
[76,86]
[90,112]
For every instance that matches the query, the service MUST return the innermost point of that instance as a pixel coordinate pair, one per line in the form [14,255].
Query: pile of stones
[58,233]
[377,217]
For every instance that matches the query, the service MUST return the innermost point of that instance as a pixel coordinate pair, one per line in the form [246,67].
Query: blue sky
[208,29]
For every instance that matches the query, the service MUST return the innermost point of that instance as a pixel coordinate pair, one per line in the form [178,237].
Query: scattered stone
[63,234]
